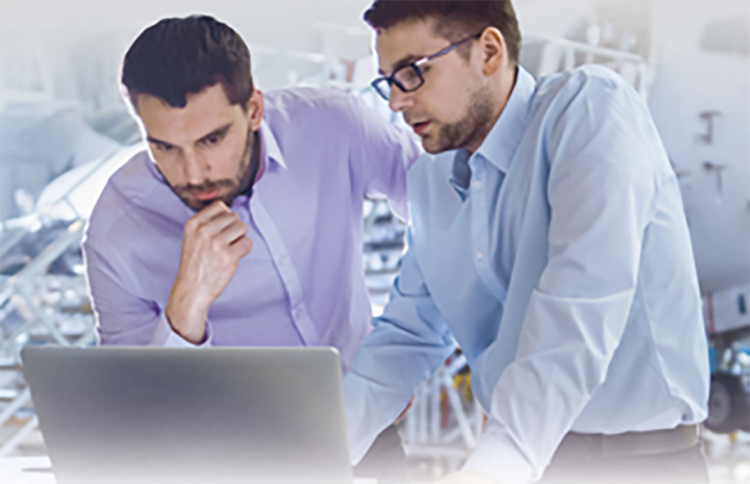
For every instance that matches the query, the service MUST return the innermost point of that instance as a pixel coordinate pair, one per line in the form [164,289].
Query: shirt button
[477,184]
[297,313]
[282,259]
[480,255]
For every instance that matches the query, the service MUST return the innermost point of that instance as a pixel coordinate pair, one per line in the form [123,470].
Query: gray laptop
[169,415]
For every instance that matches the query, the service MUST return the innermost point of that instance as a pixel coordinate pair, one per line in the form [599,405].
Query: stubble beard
[233,187]
[474,126]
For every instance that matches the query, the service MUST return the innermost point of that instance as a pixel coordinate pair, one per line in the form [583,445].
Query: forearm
[185,315]
[409,343]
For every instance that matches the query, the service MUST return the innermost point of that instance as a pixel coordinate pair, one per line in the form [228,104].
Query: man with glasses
[548,240]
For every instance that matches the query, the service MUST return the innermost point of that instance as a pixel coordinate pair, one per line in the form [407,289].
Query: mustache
[203,187]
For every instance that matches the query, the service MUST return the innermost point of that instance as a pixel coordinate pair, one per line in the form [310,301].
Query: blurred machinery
[43,296]
[700,101]
[691,62]
[691,66]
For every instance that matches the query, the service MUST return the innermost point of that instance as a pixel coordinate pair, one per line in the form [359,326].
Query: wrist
[187,317]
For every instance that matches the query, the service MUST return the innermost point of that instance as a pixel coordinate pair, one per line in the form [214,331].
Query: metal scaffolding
[37,307]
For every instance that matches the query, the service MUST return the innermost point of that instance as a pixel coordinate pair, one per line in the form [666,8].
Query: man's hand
[213,243]
[467,477]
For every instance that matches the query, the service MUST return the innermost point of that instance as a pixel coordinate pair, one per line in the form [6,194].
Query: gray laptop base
[224,415]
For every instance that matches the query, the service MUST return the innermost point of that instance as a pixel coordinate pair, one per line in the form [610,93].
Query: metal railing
[24,288]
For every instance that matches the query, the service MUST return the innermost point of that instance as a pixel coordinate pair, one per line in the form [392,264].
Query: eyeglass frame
[392,81]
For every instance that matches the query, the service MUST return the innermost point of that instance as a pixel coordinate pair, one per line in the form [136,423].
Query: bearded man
[241,224]
[548,239]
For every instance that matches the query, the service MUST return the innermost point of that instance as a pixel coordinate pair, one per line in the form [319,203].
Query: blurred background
[64,129]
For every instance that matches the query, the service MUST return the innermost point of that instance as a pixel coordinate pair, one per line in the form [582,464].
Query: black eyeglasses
[409,78]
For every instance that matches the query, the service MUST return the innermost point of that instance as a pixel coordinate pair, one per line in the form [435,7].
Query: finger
[241,247]
[221,222]
[209,228]
[215,208]
[232,232]
[220,205]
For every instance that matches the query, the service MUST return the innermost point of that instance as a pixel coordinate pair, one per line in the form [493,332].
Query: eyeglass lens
[407,78]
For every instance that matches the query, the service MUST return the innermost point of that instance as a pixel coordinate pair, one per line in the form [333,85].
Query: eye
[212,139]
[408,76]
[164,148]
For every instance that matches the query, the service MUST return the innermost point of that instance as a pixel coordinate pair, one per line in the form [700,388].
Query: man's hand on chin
[467,477]
[213,242]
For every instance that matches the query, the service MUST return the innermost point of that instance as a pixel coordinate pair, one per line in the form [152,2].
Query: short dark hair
[180,56]
[455,19]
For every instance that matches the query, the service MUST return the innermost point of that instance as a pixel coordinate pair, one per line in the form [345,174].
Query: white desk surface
[37,470]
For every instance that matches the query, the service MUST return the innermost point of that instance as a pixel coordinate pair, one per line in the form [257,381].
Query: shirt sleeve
[166,336]
[604,153]
[123,318]
[381,154]
[408,344]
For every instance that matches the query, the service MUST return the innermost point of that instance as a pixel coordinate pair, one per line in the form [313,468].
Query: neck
[499,100]
[248,179]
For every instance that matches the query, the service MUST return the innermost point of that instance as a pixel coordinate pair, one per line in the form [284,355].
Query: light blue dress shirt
[564,271]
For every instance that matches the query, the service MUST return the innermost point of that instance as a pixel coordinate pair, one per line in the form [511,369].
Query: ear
[255,107]
[494,50]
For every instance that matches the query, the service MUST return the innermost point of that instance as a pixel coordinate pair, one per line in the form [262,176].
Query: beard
[231,187]
[475,125]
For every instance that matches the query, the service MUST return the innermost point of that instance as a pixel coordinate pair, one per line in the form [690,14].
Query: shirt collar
[269,147]
[503,139]
[461,174]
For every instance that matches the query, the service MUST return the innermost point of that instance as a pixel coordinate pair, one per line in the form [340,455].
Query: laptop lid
[144,414]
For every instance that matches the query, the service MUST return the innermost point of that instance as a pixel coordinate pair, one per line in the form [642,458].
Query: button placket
[289,277]
[479,210]
[480,232]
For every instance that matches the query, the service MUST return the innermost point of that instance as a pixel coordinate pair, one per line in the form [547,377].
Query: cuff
[498,456]
[167,337]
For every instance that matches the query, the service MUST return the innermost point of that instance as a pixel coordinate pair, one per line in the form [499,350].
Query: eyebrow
[159,142]
[403,61]
[221,131]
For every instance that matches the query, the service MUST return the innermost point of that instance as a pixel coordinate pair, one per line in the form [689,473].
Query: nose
[400,100]
[195,168]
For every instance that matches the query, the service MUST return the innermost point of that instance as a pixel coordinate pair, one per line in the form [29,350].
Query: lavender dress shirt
[322,152]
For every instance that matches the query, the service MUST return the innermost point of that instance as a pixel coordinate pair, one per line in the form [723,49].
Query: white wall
[67,35]
[269,22]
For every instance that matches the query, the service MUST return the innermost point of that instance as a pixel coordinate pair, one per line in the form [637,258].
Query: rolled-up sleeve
[603,153]
[123,318]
